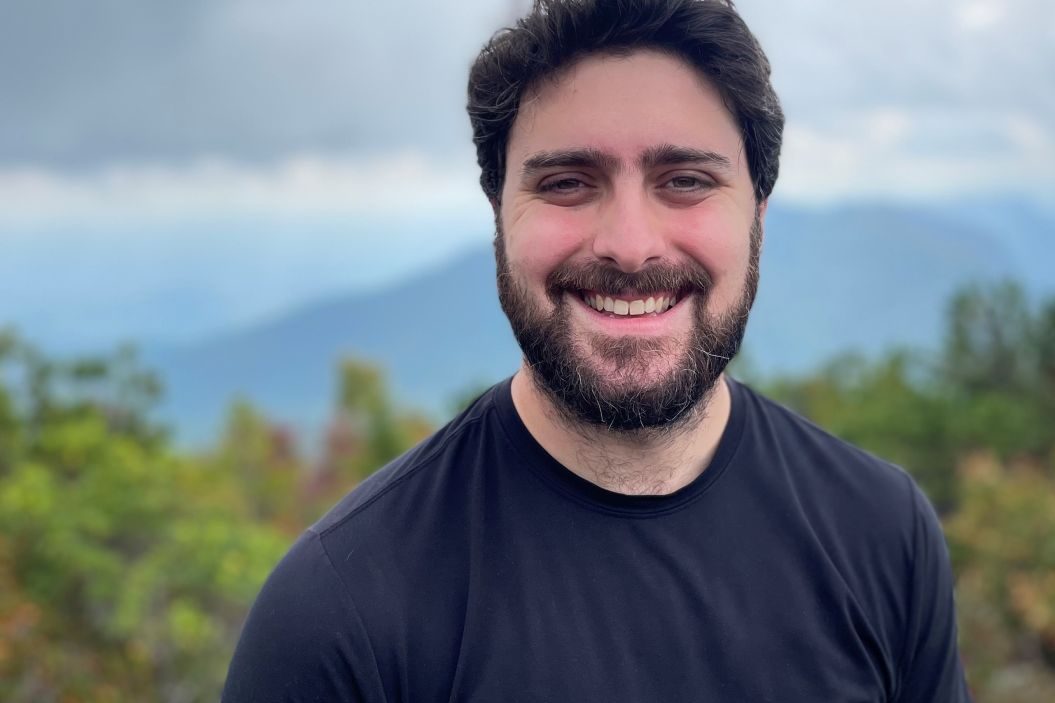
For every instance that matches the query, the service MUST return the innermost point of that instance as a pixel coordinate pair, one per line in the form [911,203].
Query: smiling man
[628,243]
[619,521]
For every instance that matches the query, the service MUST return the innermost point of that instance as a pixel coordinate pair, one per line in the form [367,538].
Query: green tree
[262,459]
[987,339]
[122,576]
[368,431]
[997,367]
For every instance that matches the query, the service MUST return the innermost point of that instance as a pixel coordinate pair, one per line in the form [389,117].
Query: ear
[496,210]
[761,209]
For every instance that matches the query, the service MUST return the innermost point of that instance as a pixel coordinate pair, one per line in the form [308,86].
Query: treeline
[126,566]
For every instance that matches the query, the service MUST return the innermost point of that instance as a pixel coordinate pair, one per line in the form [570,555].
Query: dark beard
[558,365]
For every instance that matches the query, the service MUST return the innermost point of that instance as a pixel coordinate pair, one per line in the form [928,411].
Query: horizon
[185,169]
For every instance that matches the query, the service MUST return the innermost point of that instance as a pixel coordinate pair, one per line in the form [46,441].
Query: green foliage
[991,388]
[1002,541]
[263,462]
[984,341]
[117,582]
[368,431]
[126,568]
[999,369]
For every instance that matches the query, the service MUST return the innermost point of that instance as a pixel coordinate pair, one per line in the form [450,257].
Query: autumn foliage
[127,565]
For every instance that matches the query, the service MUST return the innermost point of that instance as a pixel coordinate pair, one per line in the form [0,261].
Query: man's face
[626,189]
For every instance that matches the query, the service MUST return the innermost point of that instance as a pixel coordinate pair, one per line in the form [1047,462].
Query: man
[619,521]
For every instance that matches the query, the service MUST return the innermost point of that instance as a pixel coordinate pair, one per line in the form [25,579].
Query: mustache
[654,279]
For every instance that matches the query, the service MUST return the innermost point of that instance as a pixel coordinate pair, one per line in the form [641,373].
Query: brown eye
[567,190]
[685,183]
[562,185]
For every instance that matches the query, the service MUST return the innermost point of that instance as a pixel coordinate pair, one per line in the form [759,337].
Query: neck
[652,464]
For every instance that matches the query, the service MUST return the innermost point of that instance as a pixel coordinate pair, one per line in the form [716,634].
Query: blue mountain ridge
[862,277]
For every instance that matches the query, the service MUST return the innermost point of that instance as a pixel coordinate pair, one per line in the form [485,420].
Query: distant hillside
[436,334]
[861,277]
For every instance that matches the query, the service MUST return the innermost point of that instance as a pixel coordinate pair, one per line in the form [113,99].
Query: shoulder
[344,601]
[290,649]
[866,515]
[826,473]
[412,522]
[879,533]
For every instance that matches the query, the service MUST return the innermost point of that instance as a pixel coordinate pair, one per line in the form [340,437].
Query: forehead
[624,105]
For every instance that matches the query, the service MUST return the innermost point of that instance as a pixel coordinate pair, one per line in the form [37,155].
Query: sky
[169,169]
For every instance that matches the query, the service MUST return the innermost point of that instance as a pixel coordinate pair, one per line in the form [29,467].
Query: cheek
[540,240]
[720,240]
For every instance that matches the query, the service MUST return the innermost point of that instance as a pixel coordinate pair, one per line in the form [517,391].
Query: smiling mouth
[630,307]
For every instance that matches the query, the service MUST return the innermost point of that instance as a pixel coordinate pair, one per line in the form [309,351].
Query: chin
[639,375]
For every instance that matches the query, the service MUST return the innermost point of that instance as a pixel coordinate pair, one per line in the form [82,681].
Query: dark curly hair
[708,34]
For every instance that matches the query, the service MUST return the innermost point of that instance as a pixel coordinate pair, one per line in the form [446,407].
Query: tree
[997,366]
[123,574]
[368,431]
[1002,541]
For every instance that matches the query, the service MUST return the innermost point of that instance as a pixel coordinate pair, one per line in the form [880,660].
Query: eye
[567,189]
[685,187]
[687,183]
[562,185]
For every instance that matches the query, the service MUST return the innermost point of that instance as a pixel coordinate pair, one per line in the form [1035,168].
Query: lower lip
[649,323]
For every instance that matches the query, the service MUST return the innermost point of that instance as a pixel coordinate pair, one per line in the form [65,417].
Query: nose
[628,232]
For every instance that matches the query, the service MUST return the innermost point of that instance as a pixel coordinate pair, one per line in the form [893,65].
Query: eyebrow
[670,155]
[586,157]
[589,157]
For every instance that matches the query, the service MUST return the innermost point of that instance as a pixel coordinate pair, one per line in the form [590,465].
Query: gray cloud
[84,84]
[90,82]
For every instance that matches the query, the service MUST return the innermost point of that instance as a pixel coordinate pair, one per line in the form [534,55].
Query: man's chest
[636,619]
[671,642]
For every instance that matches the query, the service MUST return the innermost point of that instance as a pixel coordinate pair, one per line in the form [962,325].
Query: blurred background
[244,261]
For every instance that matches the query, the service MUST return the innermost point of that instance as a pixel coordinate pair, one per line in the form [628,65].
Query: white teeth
[603,303]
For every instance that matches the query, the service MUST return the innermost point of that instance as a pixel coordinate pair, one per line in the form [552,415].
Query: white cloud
[1029,135]
[172,252]
[399,184]
[979,15]
[887,127]
[905,154]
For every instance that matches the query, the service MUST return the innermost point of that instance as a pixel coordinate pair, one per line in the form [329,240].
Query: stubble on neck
[645,461]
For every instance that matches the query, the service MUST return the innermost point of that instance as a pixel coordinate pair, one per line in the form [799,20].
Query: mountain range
[861,277]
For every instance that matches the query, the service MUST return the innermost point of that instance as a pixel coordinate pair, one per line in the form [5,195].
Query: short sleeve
[930,670]
[303,639]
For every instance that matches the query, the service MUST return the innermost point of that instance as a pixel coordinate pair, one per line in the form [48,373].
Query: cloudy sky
[175,167]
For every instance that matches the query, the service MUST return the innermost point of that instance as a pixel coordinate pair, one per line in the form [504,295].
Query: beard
[565,368]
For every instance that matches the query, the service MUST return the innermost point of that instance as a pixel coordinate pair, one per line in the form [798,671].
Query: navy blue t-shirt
[477,568]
